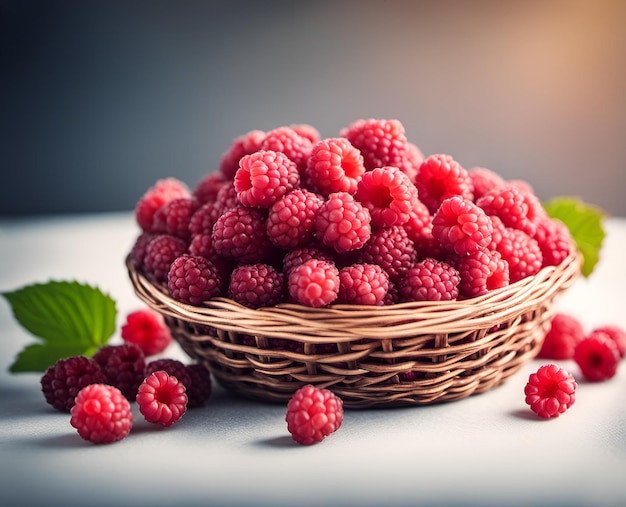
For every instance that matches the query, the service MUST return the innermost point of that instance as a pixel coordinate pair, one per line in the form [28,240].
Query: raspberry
[172,367]
[287,140]
[313,414]
[101,414]
[242,145]
[200,390]
[516,209]
[343,223]
[155,197]
[550,391]
[362,284]
[381,142]
[147,329]
[554,240]
[392,297]
[160,253]
[264,177]
[256,285]
[412,161]
[291,219]
[565,332]
[522,254]
[207,188]
[61,382]
[314,283]
[203,219]
[173,218]
[334,166]
[297,256]
[123,366]
[617,334]
[138,251]
[162,399]
[484,181]
[440,177]
[597,356]
[481,272]
[307,131]
[461,227]
[240,234]
[388,194]
[429,280]
[193,279]
[391,249]
[226,199]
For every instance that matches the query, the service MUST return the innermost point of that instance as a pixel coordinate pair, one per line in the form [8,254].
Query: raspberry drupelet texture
[521,252]
[123,366]
[363,284]
[193,279]
[162,399]
[101,414]
[440,177]
[334,166]
[313,414]
[461,227]
[172,367]
[240,234]
[207,188]
[160,254]
[388,194]
[484,181]
[62,381]
[307,131]
[291,219]
[293,258]
[203,219]
[287,140]
[429,280]
[554,240]
[412,161]
[240,146]
[382,142]
[391,249]
[314,283]
[173,218]
[200,390]
[264,177]
[617,334]
[516,209]
[256,286]
[343,223]
[550,391]
[147,329]
[565,332]
[155,197]
[597,357]
[481,272]
[138,251]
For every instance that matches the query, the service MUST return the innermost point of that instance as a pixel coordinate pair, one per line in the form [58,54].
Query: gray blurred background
[102,98]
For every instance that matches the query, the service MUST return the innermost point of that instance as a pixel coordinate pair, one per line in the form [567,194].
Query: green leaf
[585,223]
[68,317]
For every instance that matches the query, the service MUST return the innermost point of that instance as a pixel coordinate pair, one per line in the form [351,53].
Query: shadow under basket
[384,356]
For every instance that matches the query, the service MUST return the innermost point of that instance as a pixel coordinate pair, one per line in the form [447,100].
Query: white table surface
[488,449]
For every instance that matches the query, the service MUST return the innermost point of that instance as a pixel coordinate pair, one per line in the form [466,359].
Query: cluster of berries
[361,218]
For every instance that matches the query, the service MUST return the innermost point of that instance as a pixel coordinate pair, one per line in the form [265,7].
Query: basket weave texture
[396,355]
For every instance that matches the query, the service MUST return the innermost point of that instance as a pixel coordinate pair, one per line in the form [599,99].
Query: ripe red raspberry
[207,188]
[362,284]
[200,390]
[226,199]
[597,356]
[287,140]
[173,218]
[429,280]
[440,177]
[291,219]
[388,194]
[391,249]
[61,382]
[306,130]
[381,142]
[123,366]
[172,367]
[203,219]
[343,223]
[264,177]
[193,279]
[334,166]
[461,227]
[240,234]
[256,286]
[617,334]
[155,197]
[550,391]
[314,283]
[160,253]
[138,251]
[147,329]
[481,272]
[554,240]
[484,181]
[521,252]
[517,209]
[565,332]
[313,414]
[240,146]
[101,414]
[297,256]
[412,161]
[162,398]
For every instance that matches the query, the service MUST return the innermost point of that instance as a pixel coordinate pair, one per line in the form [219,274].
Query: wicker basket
[403,354]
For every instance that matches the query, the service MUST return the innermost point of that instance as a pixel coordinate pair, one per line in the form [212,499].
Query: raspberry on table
[291,219]
[484,181]
[521,252]
[391,249]
[554,240]
[200,390]
[160,254]
[597,356]
[207,188]
[173,217]
[162,398]
[617,334]
[565,332]
[147,329]
[334,166]
[343,223]
[429,280]
[240,146]
[193,279]
[297,256]
[289,141]
[172,367]
[362,284]
[101,414]
[313,414]
[123,366]
[481,271]
[62,381]
[517,209]
[314,283]
[550,391]
[163,191]
[256,285]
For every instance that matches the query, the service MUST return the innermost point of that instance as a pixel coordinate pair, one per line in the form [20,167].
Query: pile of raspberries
[362,218]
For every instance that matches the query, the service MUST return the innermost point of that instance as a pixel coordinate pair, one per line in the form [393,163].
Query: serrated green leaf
[585,223]
[68,317]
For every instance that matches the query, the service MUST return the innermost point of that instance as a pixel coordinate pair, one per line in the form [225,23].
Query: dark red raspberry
[162,398]
[307,131]
[193,279]
[314,283]
[597,356]
[521,252]
[287,140]
[160,253]
[343,223]
[202,245]
[392,297]
[240,146]
[147,329]
[484,181]
[173,218]
[101,414]
[461,227]
[617,334]
[550,391]
[313,414]
[256,286]
[201,388]
[123,366]
[412,161]
[138,252]
[297,256]
[565,332]
[429,280]
[61,382]
[381,142]
[291,219]
[172,367]
[481,272]
[240,234]
[207,188]
[554,240]
[391,249]
[204,218]
[440,177]
[226,199]
[516,209]
[264,177]
[363,284]
[155,197]
[334,166]
[388,194]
